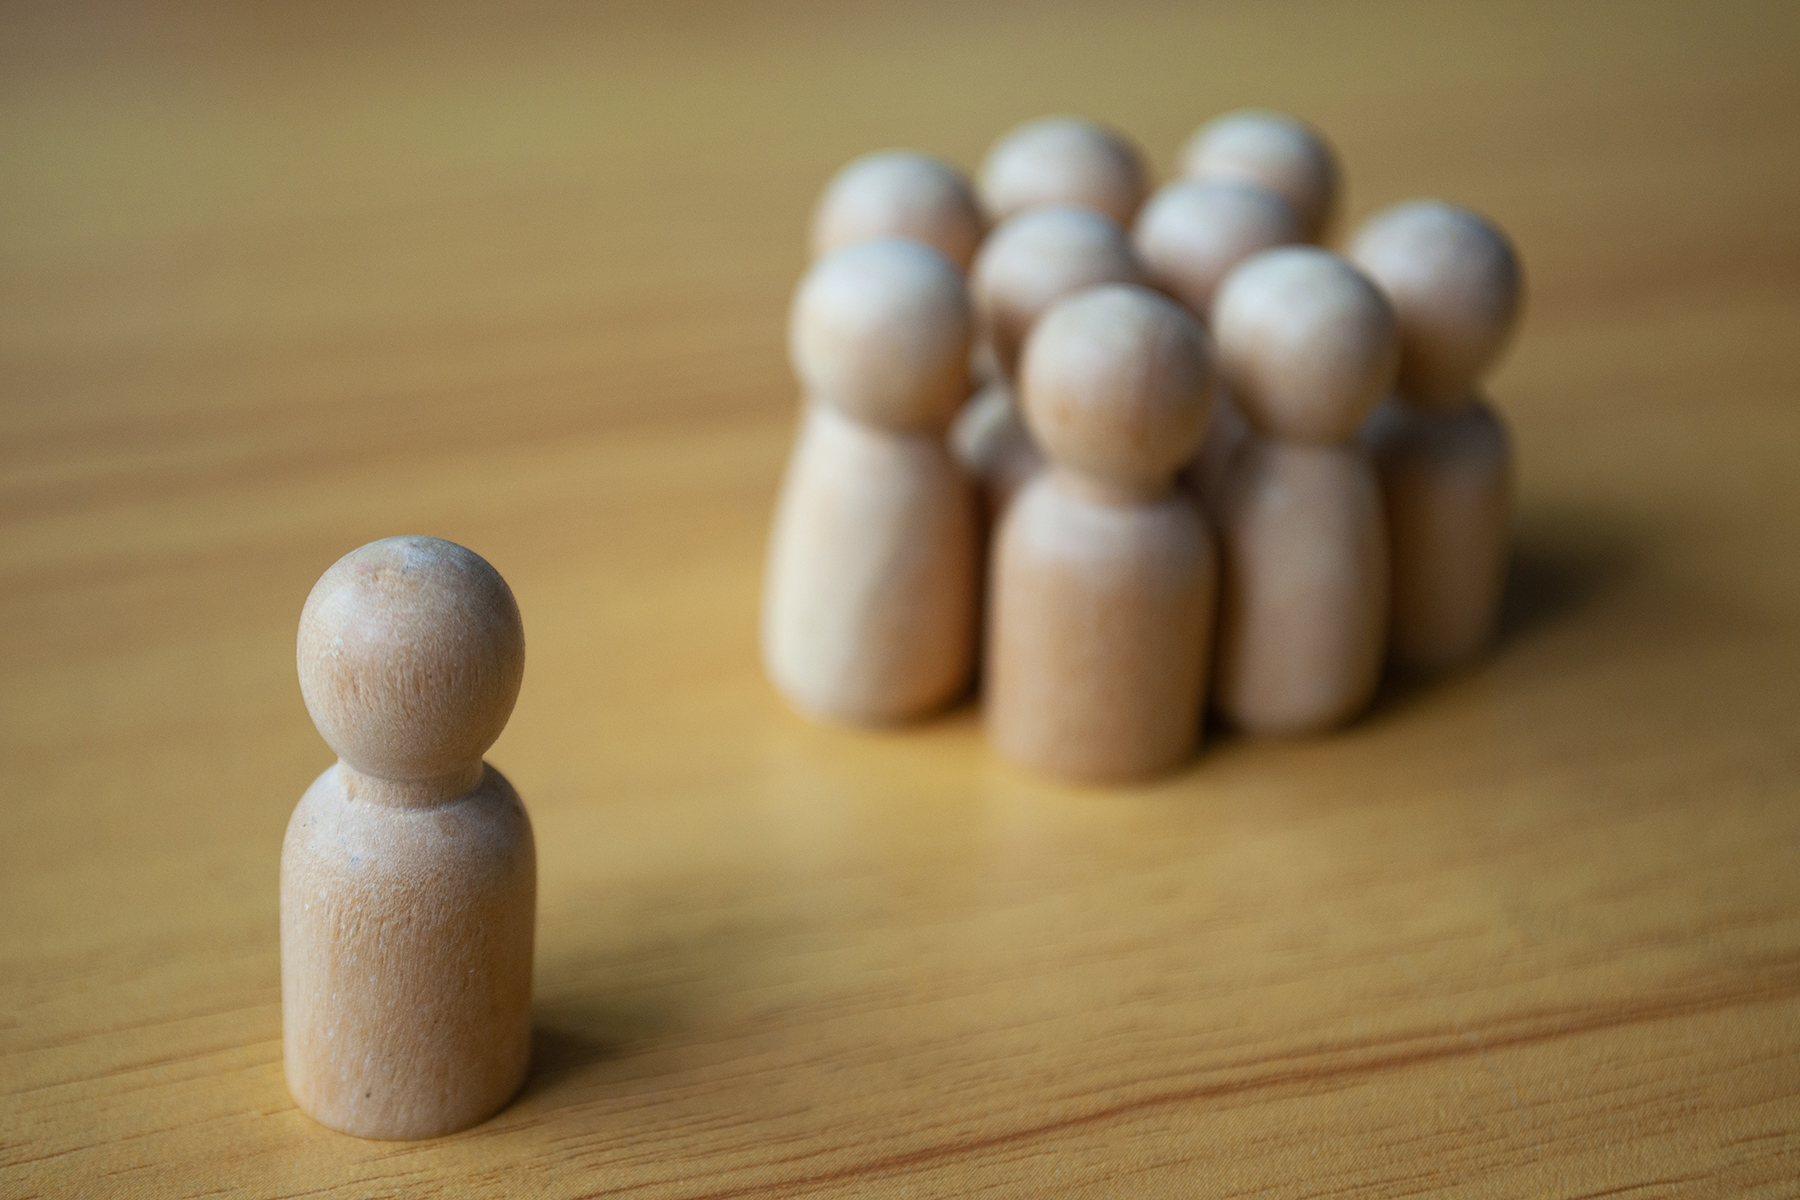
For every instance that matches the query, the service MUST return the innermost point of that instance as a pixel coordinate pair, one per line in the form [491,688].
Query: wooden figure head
[1117,387]
[1456,287]
[1038,257]
[1194,231]
[1279,152]
[880,330]
[899,193]
[1306,343]
[410,655]
[1063,160]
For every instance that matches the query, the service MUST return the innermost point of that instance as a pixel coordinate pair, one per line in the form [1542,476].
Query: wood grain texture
[275,284]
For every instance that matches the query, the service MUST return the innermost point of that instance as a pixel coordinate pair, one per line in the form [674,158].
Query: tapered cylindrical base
[1098,633]
[870,598]
[1303,599]
[406,945]
[1446,481]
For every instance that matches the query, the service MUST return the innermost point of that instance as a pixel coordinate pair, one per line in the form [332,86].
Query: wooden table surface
[275,283]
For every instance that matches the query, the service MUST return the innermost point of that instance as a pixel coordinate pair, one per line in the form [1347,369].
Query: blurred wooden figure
[409,874]
[1308,346]
[1445,463]
[1191,235]
[1103,576]
[1027,264]
[900,193]
[1063,160]
[1193,232]
[1281,153]
[869,603]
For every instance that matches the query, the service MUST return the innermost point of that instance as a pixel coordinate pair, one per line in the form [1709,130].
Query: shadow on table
[557,1051]
[1560,563]
[573,1030]
[597,1006]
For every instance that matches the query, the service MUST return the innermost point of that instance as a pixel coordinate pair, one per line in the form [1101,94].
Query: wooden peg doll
[408,875]
[1103,574]
[869,603]
[1308,347]
[1442,451]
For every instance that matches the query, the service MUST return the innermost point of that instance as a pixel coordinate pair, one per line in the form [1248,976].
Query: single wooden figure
[869,603]
[900,193]
[1191,235]
[409,874]
[1279,152]
[1027,264]
[1063,160]
[1103,575]
[1308,346]
[1443,454]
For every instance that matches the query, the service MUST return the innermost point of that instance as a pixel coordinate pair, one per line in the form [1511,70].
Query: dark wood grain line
[1624,1188]
[1325,1077]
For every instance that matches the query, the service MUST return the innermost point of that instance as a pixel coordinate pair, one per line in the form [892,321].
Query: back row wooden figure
[1340,536]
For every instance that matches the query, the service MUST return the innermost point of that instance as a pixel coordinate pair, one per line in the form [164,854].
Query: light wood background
[274,283]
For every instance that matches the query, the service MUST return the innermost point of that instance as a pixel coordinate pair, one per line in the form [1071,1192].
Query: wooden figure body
[1303,603]
[1281,153]
[1446,485]
[1308,346]
[408,874]
[870,595]
[1103,576]
[1443,454]
[900,193]
[1063,160]
[1028,263]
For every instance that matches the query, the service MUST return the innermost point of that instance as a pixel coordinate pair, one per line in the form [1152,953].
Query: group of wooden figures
[1171,468]
[1140,457]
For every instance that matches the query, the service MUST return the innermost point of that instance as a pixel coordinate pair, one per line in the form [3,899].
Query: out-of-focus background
[276,281]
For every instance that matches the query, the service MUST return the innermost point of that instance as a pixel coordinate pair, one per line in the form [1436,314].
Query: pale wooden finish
[279,280]
[1028,263]
[991,444]
[1102,580]
[872,584]
[1455,285]
[1304,583]
[1446,495]
[1307,346]
[1033,259]
[1190,236]
[1194,231]
[1274,150]
[408,874]
[410,656]
[406,940]
[899,193]
[1063,160]
[1442,453]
